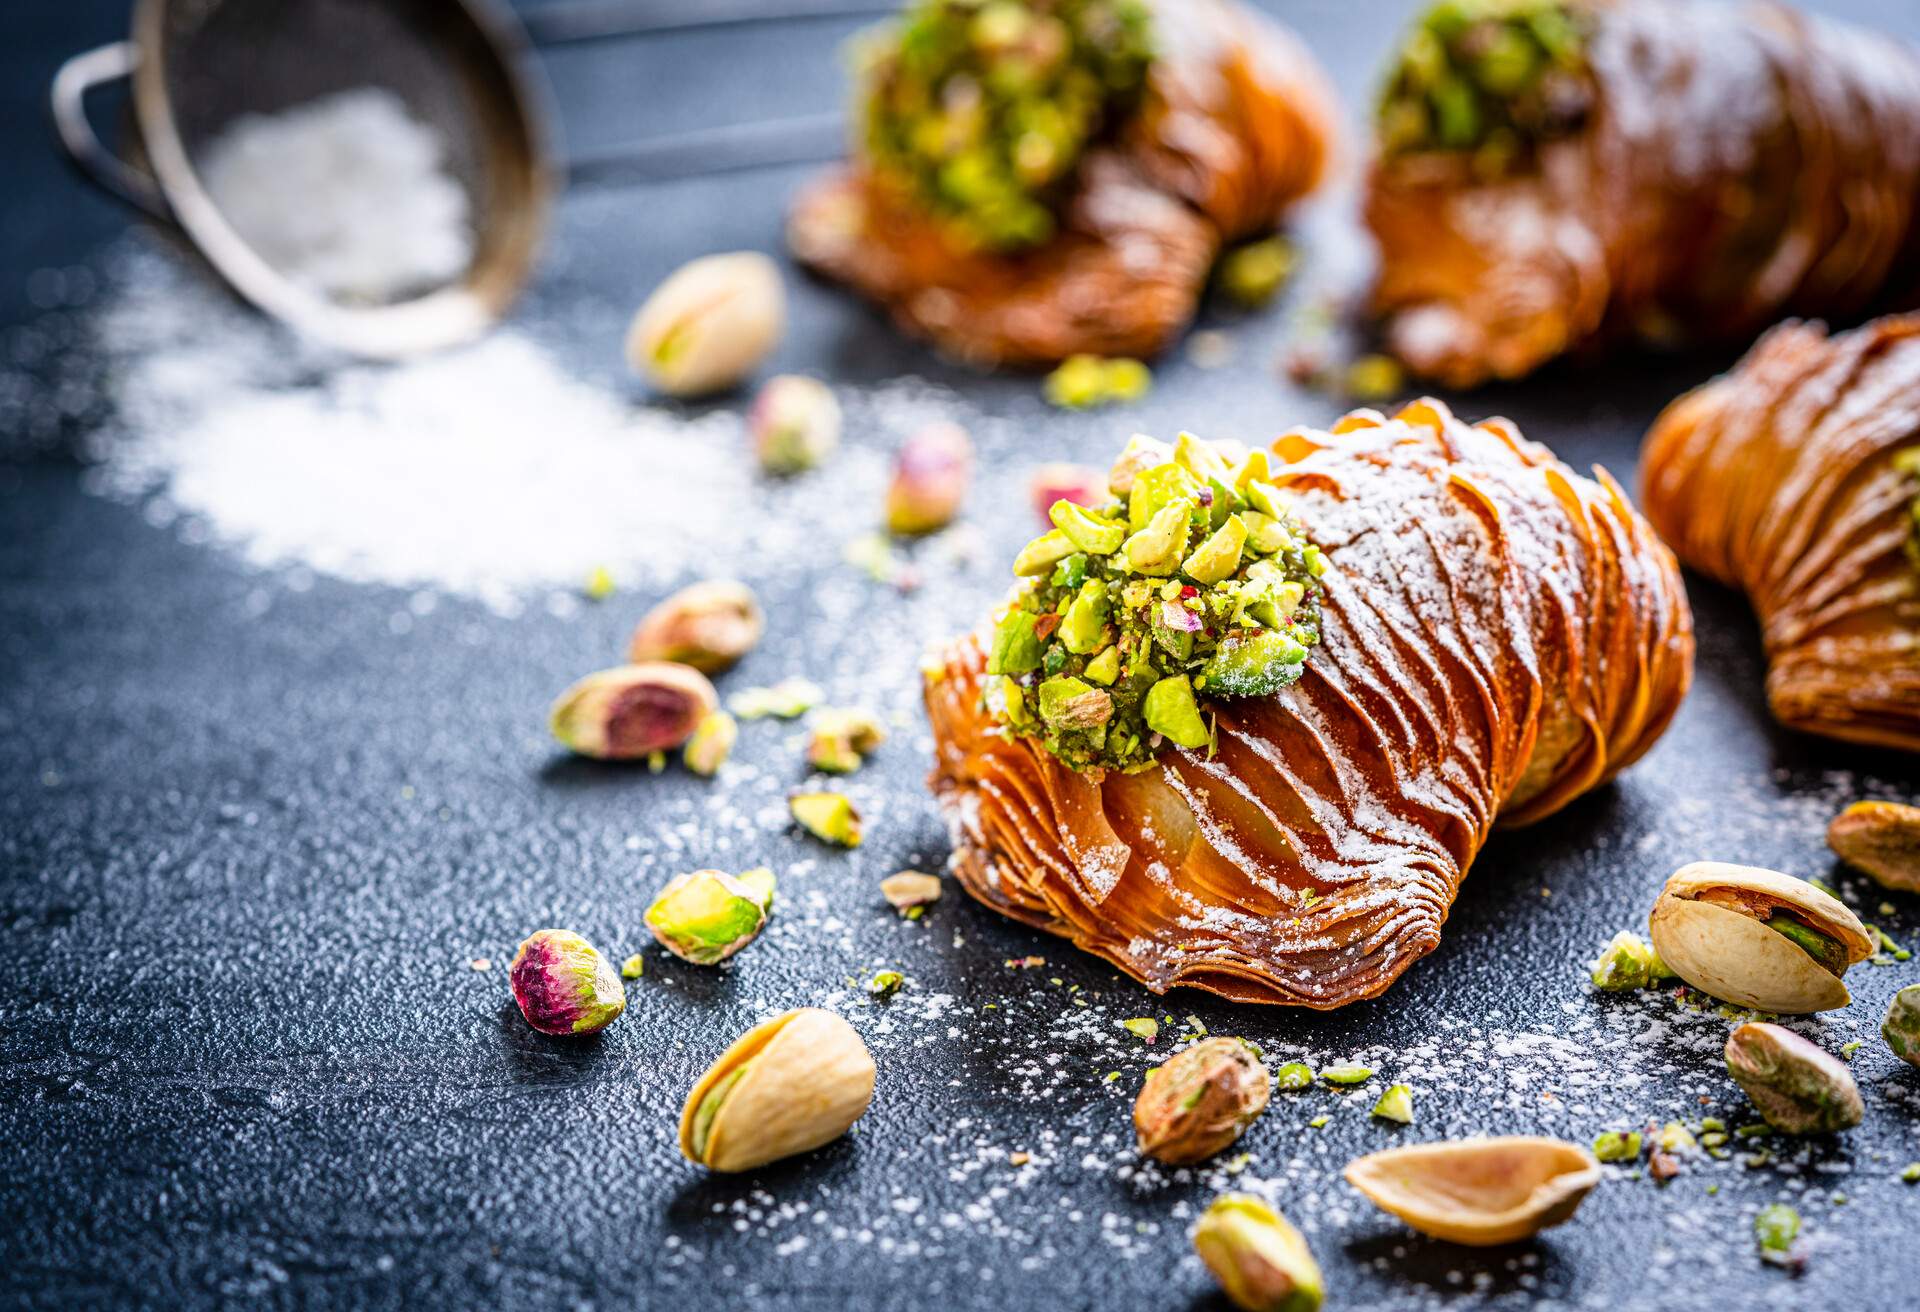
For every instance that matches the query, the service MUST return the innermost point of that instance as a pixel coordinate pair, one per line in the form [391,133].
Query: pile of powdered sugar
[348,195]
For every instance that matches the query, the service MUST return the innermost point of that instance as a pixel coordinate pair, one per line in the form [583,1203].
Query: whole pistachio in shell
[1478,1192]
[1200,1101]
[564,986]
[710,324]
[1798,1087]
[709,626]
[1757,938]
[1260,1260]
[632,711]
[1901,1028]
[1881,838]
[785,1087]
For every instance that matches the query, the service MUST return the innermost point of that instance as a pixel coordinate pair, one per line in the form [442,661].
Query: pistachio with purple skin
[795,424]
[1200,1101]
[1881,838]
[563,986]
[1798,1087]
[632,711]
[929,479]
[1901,1028]
[708,915]
[708,625]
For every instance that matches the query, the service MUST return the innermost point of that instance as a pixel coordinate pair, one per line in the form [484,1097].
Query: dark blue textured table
[252,831]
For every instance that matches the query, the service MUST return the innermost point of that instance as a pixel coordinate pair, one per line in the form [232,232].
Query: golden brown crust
[1743,162]
[1501,635]
[1778,479]
[1236,127]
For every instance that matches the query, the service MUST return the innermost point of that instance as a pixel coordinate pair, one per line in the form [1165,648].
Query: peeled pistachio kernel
[1254,664]
[1261,1262]
[785,700]
[1757,938]
[830,817]
[709,324]
[708,915]
[1797,1086]
[1084,627]
[842,738]
[1901,1028]
[794,423]
[1067,703]
[1219,556]
[1079,383]
[1881,838]
[1086,530]
[1171,711]
[1199,1101]
[563,985]
[711,744]
[1140,453]
[1479,1192]
[1083,485]
[910,889]
[929,479]
[632,711]
[708,625]
[1126,380]
[786,1086]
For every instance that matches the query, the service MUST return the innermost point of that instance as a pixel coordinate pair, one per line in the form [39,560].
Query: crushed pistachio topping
[1495,78]
[982,112]
[1196,582]
[1614,1146]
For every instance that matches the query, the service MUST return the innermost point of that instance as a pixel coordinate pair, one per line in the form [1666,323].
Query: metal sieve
[460,66]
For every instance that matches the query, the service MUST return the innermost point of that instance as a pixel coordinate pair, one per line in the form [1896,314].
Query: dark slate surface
[244,861]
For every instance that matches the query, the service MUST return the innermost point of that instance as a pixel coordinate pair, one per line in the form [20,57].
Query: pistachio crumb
[481,963]
[633,967]
[1318,1122]
[885,983]
[1144,1026]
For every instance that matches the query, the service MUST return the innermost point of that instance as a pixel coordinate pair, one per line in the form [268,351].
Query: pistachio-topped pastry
[1490,76]
[1196,581]
[982,111]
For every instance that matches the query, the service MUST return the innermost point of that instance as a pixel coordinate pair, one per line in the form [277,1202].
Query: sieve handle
[68,100]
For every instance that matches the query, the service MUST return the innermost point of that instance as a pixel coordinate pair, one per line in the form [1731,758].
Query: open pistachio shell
[786,1086]
[1478,1191]
[1711,928]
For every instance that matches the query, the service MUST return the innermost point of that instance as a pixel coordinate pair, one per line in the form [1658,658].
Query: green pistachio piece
[1079,383]
[1017,647]
[1265,498]
[1293,1076]
[1104,668]
[1254,664]
[1126,380]
[1219,556]
[1084,627]
[1614,1146]
[1265,534]
[1199,458]
[1087,531]
[1171,711]
[1258,464]
[1347,1073]
[1156,549]
[1043,553]
[1158,486]
[1250,275]
[1068,703]
[1396,1104]
[1015,698]
[1627,963]
[830,817]
[1145,1027]
[1775,1229]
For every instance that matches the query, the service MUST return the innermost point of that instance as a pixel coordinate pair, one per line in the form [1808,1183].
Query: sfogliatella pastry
[1556,175]
[1035,179]
[1796,478]
[1246,726]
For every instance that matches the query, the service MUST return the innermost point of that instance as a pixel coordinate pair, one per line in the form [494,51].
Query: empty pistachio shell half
[1757,938]
[1479,1192]
[1798,1087]
[1881,838]
[785,1087]
[709,324]
[1260,1260]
